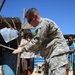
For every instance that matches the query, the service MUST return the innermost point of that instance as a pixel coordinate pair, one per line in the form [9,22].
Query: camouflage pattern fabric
[50,39]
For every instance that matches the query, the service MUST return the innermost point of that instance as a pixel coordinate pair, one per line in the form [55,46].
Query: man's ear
[27,16]
[35,15]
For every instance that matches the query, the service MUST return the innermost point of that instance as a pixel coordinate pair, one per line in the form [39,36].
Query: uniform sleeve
[41,34]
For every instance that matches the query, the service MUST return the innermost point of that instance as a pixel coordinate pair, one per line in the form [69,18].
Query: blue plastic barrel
[9,63]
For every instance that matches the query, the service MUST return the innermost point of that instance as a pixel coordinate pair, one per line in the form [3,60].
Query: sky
[60,11]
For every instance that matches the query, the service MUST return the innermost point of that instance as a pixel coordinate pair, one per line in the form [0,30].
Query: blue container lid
[38,60]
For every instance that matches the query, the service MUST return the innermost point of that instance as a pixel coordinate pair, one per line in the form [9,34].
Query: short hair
[31,12]
[71,36]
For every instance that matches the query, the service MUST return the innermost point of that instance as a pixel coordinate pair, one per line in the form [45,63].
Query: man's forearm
[71,51]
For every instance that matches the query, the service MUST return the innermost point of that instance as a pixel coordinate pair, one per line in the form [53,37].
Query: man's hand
[18,50]
[71,51]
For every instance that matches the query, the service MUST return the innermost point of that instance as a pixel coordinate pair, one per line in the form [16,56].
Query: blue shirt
[71,47]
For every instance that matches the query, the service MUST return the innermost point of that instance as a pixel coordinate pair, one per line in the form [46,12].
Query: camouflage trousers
[58,71]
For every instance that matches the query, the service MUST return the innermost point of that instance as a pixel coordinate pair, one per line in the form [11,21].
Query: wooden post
[6,22]
[23,19]
[1,5]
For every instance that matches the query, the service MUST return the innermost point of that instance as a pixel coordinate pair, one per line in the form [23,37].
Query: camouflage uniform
[50,38]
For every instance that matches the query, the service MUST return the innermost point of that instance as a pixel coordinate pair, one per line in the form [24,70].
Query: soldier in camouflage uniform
[50,38]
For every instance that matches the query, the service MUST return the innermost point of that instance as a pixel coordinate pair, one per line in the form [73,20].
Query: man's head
[32,16]
[70,39]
